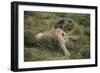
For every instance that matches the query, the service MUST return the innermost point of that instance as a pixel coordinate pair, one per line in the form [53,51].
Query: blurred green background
[35,22]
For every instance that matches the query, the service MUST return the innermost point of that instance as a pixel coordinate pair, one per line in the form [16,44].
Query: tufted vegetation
[35,22]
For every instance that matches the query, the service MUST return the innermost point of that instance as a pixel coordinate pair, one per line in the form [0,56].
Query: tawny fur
[58,34]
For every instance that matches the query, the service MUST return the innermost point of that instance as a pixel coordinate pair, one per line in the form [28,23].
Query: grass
[35,22]
[40,54]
